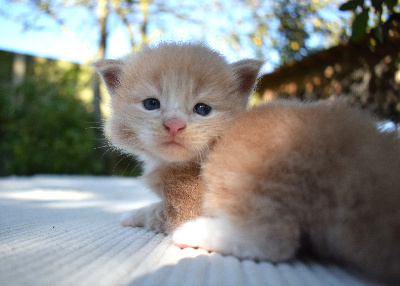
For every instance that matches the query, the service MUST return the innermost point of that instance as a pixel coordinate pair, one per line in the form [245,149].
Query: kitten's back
[327,165]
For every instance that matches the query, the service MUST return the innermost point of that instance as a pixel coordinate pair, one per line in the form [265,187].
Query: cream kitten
[285,171]
[263,181]
[169,105]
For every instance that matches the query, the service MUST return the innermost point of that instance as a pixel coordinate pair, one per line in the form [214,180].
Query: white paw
[221,235]
[130,218]
[191,234]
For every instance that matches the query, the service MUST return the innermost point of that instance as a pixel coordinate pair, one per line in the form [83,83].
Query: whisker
[102,157]
[99,139]
[136,166]
[118,163]
[104,146]
[130,161]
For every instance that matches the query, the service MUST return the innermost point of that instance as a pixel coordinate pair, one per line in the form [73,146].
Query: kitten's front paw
[150,217]
[131,218]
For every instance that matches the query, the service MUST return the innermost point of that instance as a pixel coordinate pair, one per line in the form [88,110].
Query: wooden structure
[365,78]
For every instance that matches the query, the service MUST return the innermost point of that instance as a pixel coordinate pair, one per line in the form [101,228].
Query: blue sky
[52,42]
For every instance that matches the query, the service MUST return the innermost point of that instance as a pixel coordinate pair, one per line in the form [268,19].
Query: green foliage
[46,129]
[370,15]
[359,26]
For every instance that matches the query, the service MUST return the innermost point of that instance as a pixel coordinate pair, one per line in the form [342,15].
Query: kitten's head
[171,102]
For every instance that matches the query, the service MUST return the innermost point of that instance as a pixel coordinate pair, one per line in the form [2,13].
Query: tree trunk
[103,13]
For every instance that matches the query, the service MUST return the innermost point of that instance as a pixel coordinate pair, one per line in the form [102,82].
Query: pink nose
[174,126]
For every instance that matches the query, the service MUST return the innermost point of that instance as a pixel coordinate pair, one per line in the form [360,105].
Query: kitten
[169,104]
[287,170]
[260,182]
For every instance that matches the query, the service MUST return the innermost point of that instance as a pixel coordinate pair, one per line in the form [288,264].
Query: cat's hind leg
[271,241]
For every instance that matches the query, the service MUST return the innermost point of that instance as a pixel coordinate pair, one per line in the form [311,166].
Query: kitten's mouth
[173,142]
[174,149]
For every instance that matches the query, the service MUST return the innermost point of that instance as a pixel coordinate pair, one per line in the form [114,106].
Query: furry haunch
[252,183]
[287,170]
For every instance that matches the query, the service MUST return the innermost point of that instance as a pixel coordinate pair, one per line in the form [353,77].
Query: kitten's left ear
[247,73]
[110,72]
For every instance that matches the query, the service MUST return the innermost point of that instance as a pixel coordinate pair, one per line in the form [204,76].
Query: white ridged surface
[64,230]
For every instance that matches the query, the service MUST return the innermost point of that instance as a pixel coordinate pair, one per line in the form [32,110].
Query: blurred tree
[372,15]
[290,28]
[136,16]
[47,131]
[293,29]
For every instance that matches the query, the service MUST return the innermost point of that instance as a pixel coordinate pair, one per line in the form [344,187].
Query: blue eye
[151,104]
[202,109]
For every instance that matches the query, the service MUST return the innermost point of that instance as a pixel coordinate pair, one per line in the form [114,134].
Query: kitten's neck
[150,163]
[158,173]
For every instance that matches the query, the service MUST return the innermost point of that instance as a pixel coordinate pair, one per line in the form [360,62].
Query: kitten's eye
[151,103]
[202,109]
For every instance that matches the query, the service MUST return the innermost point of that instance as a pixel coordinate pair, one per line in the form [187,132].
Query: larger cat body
[169,104]
[288,171]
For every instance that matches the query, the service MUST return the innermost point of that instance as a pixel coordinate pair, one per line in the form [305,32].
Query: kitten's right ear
[247,73]
[110,72]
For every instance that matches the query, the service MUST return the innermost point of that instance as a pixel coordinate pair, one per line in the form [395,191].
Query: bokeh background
[52,105]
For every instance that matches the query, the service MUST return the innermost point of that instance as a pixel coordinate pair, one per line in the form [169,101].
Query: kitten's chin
[175,152]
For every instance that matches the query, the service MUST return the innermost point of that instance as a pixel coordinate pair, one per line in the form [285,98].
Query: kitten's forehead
[178,62]
[178,70]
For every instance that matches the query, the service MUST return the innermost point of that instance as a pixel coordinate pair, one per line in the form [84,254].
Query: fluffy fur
[173,140]
[254,184]
[286,171]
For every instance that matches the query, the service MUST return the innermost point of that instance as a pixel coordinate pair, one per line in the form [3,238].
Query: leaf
[378,34]
[377,4]
[351,5]
[360,25]
[390,4]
